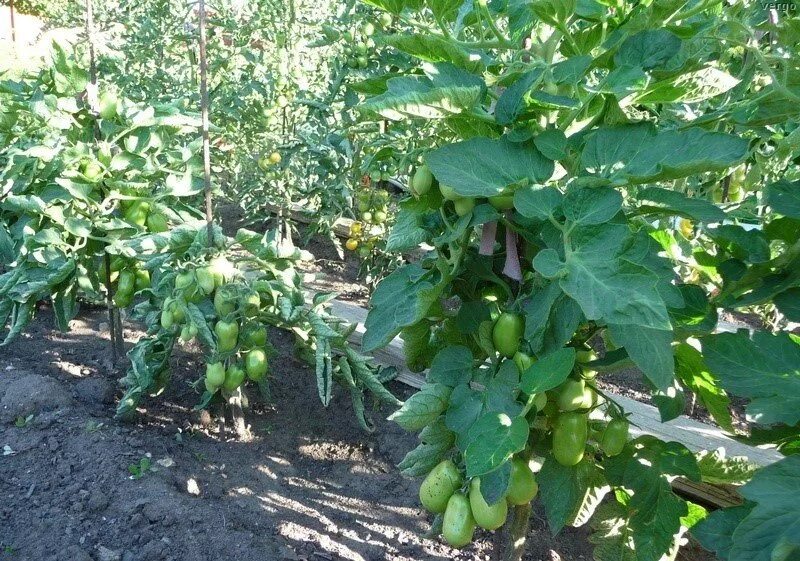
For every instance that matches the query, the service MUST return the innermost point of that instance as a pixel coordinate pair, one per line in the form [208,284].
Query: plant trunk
[509,543]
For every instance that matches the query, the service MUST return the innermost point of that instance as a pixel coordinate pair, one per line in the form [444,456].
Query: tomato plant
[594,181]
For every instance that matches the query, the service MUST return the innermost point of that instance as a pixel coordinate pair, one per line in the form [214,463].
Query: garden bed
[310,486]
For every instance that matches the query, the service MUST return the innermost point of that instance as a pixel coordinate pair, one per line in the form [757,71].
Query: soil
[310,486]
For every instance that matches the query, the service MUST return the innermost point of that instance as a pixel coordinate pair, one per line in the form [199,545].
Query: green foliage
[652,177]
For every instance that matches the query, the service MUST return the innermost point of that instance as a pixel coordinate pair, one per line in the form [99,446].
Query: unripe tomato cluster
[140,213]
[268,162]
[559,417]
[373,208]
[241,340]
[359,45]
[128,278]
[464,507]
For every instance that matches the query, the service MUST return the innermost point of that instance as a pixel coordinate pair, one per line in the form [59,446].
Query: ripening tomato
[366,216]
[234,377]
[255,364]
[507,333]
[227,335]
[351,244]
[464,206]
[614,437]
[458,524]
[422,181]
[686,227]
[356,228]
[275,158]
[522,486]
[439,485]
[215,374]
[571,395]
[489,517]
[569,438]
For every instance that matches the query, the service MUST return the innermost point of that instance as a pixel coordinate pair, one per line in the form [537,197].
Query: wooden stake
[204,105]
[13,26]
[114,320]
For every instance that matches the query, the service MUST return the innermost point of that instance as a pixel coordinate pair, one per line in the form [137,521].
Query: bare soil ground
[311,485]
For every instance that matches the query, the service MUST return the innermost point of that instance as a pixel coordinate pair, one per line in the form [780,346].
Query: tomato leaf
[771,530]
[403,298]
[650,349]
[691,369]
[764,369]
[549,371]
[452,366]
[784,197]
[493,439]
[423,407]
[570,494]
[483,167]
[591,205]
[633,154]
[537,202]
[495,483]
[435,441]
[666,201]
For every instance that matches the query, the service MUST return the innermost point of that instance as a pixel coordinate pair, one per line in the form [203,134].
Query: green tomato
[585,356]
[178,311]
[489,517]
[215,374]
[422,181]
[210,388]
[184,280]
[109,105]
[255,364]
[224,303]
[502,202]
[222,269]
[233,378]
[507,333]
[448,193]
[540,401]
[439,485]
[347,36]
[379,217]
[522,486]
[385,19]
[188,332]
[205,279]
[167,320]
[157,222]
[251,303]
[614,437]
[122,299]
[126,282]
[464,206]
[523,361]
[367,29]
[569,438]
[458,525]
[227,335]
[571,395]
[137,213]
[142,279]
[362,62]
[92,171]
[366,216]
[256,337]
